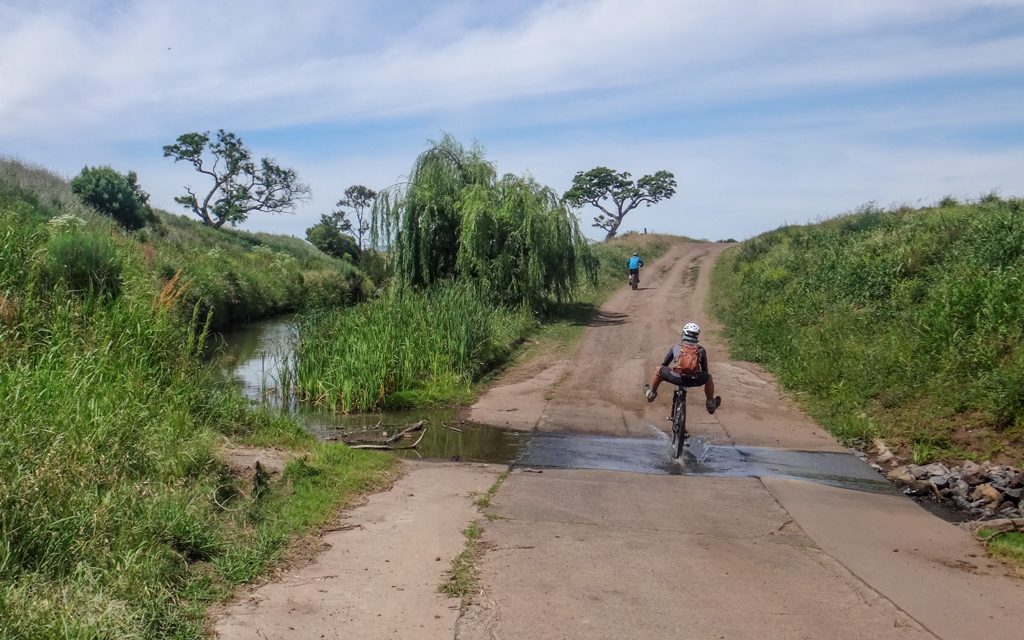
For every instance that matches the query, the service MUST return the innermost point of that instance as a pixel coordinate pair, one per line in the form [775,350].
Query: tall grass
[406,347]
[903,323]
[117,518]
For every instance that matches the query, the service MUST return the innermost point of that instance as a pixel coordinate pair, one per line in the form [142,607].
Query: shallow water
[253,355]
[651,455]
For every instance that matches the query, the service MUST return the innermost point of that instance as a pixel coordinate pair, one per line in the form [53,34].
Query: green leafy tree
[240,186]
[360,200]
[114,194]
[329,235]
[456,219]
[615,194]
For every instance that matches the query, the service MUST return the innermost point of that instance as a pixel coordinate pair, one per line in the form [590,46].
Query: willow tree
[455,218]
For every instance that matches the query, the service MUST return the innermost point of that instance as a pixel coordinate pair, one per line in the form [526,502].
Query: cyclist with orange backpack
[686,365]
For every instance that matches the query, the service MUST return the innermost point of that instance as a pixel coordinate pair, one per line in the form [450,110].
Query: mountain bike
[634,279]
[678,419]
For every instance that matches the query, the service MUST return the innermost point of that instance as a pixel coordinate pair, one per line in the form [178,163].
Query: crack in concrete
[863,583]
[627,528]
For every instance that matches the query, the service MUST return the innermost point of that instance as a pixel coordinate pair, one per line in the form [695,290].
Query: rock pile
[984,490]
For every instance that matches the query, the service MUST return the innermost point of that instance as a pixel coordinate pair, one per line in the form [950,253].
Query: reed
[407,347]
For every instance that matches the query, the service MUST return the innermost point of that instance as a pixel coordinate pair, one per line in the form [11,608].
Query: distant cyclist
[686,365]
[634,264]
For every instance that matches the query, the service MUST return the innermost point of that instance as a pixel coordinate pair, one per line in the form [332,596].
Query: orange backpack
[688,362]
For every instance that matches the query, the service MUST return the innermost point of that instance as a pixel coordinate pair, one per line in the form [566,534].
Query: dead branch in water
[455,429]
[416,426]
[419,426]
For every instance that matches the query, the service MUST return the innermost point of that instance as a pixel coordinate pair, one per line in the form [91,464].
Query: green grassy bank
[118,518]
[904,324]
[233,275]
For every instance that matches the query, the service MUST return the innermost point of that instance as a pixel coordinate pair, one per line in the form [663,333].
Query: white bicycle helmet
[691,330]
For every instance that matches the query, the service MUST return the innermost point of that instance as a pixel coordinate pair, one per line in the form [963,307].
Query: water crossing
[254,355]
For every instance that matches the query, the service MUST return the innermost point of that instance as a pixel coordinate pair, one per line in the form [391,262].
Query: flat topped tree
[240,185]
[615,194]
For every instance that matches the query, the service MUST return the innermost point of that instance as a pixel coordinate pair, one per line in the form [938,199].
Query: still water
[254,355]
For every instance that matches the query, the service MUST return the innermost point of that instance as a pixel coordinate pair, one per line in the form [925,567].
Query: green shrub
[116,195]
[331,288]
[330,236]
[84,263]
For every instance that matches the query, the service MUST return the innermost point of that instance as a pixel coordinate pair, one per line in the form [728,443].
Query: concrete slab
[593,554]
[930,568]
[378,575]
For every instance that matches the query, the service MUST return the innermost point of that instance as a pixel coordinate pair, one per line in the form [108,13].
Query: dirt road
[602,554]
[598,390]
[582,553]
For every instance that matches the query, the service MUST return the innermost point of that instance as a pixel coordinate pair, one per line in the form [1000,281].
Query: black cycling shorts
[668,375]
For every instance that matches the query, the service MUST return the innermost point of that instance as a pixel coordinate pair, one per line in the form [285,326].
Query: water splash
[707,444]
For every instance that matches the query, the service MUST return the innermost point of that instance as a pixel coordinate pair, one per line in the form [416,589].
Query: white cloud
[259,65]
[79,81]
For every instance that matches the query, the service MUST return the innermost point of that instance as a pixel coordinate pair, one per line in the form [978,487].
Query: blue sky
[768,112]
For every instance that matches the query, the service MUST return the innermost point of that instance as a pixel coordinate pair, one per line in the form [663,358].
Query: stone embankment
[983,490]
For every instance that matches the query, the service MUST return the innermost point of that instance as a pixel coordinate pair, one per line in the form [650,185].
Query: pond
[254,355]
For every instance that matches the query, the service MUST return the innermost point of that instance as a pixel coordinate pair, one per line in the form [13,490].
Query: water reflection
[253,356]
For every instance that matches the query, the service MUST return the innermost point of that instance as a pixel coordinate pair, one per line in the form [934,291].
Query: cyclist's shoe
[650,393]
[713,404]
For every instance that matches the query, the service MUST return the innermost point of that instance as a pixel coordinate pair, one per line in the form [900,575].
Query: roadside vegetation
[1008,545]
[479,262]
[475,256]
[406,348]
[903,324]
[118,518]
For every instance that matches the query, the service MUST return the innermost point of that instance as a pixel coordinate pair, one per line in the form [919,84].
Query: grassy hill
[233,275]
[905,324]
